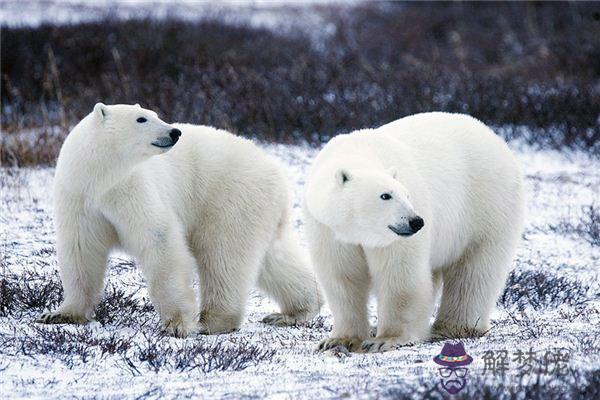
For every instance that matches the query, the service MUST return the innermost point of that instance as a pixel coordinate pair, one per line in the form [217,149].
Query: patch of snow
[279,16]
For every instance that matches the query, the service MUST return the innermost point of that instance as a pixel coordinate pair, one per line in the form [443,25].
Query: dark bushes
[29,291]
[524,64]
[587,228]
[202,356]
[153,351]
[541,289]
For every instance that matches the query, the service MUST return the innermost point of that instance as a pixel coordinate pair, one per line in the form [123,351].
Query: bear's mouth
[163,142]
[400,231]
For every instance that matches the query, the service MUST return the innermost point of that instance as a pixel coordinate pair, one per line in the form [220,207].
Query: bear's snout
[416,224]
[175,134]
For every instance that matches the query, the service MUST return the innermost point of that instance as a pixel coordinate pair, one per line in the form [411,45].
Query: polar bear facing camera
[429,203]
[177,197]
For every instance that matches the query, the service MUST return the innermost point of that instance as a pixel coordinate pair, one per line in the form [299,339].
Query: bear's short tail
[288,279]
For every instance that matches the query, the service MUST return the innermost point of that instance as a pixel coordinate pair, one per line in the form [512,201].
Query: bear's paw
[351,344]
[380,345]
[58,317]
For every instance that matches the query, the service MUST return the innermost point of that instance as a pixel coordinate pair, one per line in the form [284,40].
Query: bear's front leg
[167,266]
[83,242]
[229,259]
[347,294]
[154,235]
[343,274]
[404,292]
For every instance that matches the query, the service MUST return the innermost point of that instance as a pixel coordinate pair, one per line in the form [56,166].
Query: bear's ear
[100,110]
[138,105]
[393,171]
[342,176]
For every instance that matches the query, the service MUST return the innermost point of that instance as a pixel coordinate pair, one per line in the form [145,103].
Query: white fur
[456,174]
[214,201]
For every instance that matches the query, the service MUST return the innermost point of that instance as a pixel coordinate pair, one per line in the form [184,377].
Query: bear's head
[131,132]
[366,207]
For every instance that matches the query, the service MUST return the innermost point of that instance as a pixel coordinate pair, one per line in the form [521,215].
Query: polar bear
[429,200]
[177,197]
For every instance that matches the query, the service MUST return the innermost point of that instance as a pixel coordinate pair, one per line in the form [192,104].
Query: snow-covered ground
[280,15]
[551,302]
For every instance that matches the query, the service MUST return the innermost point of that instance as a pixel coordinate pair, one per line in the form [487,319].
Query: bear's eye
[386,196]
[141,120]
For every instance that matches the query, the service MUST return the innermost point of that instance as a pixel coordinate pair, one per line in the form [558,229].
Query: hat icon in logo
[453,360]
[453,354]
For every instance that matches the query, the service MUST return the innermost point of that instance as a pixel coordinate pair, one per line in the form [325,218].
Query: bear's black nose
[416,224]
[175,134]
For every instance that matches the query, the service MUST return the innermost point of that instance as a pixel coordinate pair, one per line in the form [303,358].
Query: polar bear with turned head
[429,203]
[179,198]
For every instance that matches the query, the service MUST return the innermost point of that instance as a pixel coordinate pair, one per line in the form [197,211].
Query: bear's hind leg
[470,289]
[287,278]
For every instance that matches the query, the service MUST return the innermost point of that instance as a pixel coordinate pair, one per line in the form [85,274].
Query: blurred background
[296,72]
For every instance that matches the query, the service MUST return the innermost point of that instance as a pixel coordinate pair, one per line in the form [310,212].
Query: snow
[280,15]
[559,185]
